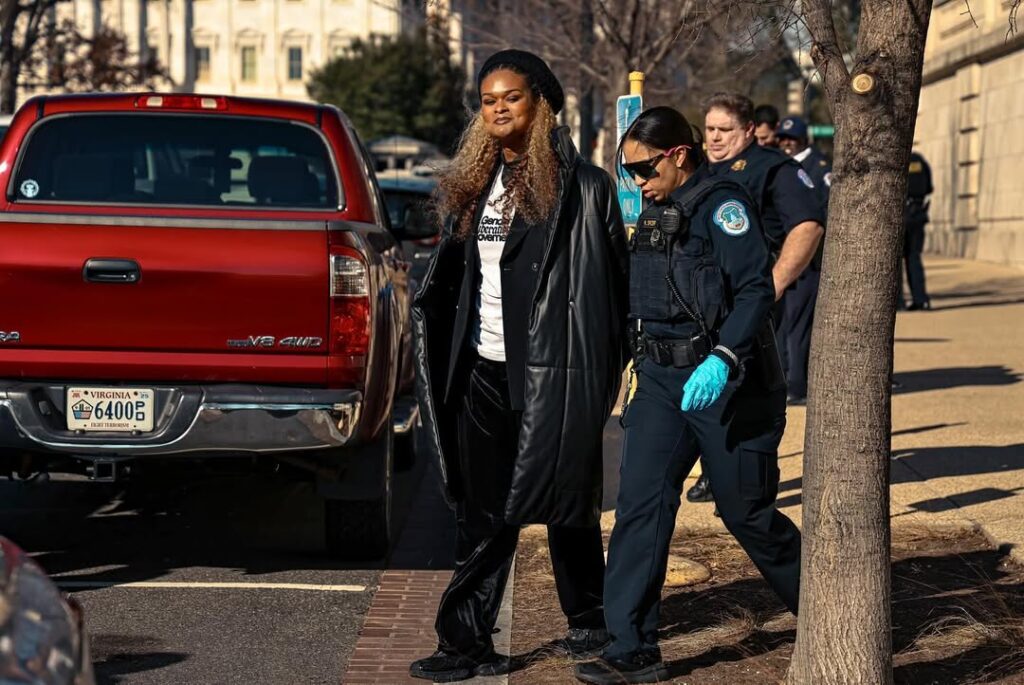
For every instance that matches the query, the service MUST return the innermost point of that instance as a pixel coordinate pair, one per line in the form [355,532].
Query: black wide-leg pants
[485,544]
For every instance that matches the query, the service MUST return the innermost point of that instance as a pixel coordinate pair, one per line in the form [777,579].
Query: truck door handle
[111,271]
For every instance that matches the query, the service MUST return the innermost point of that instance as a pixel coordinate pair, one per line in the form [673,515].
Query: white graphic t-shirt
[489,334]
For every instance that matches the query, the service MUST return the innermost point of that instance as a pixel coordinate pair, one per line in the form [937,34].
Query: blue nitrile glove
[705,384]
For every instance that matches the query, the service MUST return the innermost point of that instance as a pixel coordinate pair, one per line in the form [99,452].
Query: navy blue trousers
[797,321]
[738,437]
[913,246]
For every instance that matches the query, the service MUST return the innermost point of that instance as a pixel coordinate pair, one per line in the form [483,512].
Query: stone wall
[969,127]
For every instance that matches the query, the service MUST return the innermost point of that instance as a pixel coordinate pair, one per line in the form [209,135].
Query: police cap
[792,127]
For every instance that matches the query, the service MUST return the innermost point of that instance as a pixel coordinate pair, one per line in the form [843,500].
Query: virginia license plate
[119,410]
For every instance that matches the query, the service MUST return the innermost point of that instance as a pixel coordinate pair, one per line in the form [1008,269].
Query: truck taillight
[350,305]
[348,277]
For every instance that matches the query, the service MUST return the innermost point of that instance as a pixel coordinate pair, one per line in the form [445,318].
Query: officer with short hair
[766,120]
[785,194]
[915,216]
[709,382]
[801,297]
[786,198]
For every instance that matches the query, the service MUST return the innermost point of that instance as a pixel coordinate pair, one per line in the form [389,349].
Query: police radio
[657,226]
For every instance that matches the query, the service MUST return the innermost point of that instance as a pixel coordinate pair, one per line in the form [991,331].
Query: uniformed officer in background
[766,120]
[801,298]
[709,382]
[786,198]
[915,216]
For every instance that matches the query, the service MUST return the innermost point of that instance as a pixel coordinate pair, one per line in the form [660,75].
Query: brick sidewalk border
[399,628]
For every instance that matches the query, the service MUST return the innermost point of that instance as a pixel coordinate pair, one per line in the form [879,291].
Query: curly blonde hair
[532,190]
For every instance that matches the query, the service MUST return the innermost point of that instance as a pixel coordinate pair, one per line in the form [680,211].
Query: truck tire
[358,528]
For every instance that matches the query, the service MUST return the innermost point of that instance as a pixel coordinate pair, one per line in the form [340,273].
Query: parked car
[408,200]
[207,277]
[42,632]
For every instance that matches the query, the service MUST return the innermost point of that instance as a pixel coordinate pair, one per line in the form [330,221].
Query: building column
[968,153]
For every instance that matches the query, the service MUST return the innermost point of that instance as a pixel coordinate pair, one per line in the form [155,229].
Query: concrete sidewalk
[958,429]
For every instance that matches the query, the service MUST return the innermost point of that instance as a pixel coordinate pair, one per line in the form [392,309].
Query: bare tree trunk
[8,69]
[8,86]
[844,632]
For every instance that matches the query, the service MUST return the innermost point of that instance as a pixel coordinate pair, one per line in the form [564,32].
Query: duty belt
[678,353]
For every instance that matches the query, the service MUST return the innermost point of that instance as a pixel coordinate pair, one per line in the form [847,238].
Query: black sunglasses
[648,168]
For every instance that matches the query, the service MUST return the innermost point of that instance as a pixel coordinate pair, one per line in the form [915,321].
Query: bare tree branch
[826,51]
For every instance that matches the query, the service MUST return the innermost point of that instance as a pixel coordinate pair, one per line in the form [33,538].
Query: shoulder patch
[739,165]
[731,217]
[828,180]
[805,178]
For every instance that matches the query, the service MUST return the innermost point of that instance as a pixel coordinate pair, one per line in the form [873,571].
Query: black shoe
[640,667]
[493,664]
[583,643]
[442,667]
[796,400]
[701,490]
[919,306]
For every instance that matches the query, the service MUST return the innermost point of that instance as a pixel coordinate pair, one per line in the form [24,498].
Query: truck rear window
[160,159]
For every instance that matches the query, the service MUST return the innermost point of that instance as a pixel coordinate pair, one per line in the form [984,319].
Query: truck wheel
[359,528]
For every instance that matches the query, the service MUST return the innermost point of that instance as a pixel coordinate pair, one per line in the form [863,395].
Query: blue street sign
[627,109]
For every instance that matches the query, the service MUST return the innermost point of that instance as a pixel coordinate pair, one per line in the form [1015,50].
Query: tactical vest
[751,170]
[673,275]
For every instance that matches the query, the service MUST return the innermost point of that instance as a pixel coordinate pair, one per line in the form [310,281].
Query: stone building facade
[969,127]
[259,48]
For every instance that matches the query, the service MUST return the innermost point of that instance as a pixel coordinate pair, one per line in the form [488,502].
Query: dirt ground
[958,614]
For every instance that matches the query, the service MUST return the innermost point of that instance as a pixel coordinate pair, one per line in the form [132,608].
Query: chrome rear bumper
[194,419]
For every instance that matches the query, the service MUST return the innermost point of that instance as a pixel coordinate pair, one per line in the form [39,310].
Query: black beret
[536,70]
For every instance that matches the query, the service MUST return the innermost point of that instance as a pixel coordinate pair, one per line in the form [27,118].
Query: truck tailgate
[144,290]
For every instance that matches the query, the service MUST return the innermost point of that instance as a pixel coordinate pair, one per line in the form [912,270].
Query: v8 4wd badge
[10,337]
[296,341]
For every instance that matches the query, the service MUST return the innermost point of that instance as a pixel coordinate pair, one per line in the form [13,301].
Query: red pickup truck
[203,277]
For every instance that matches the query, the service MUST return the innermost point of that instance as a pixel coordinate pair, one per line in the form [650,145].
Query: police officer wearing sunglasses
[708,382]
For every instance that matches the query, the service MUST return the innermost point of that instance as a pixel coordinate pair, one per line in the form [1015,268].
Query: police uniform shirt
[819,168]
[919,177]
[784,192]
[727,225]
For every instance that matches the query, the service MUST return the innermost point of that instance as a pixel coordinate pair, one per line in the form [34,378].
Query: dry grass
[958,608]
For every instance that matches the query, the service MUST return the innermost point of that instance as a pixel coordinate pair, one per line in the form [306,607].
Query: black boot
[442,667]
[583,643]
[639,667]
[701,490]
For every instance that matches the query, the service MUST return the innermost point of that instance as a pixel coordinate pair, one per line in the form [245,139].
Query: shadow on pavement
[174,516]
[967,460]
[994,292]
[938,505]
[954,377]
[940,462]
[113,657]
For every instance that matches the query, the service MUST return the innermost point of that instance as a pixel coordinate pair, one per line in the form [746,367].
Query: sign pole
[627,109]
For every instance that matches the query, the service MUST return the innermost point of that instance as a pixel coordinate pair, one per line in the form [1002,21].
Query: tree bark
[8,86]
[844,632]
[9,11]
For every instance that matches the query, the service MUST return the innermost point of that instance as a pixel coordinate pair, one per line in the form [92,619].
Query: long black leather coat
[576,351]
